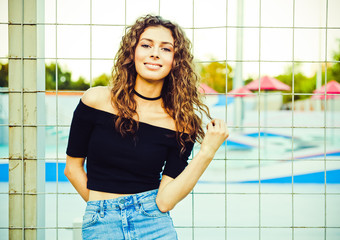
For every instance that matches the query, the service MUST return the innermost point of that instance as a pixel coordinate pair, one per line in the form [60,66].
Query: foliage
[102,80]
[3,74]
[302,83]
[214,75]
[64,79]
[335,70]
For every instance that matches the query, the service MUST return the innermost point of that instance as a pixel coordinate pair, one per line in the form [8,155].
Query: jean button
[122,201]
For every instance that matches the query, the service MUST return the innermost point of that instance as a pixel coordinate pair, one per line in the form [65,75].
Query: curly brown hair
[180,95]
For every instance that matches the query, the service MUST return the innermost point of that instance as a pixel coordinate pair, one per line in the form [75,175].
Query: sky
[273,43]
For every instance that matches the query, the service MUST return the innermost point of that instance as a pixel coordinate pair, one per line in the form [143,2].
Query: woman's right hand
[217,133]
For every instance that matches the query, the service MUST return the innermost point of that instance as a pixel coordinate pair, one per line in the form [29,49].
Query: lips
[152,65]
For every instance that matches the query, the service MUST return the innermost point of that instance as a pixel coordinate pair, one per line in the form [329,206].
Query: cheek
[170,61]
[137,60]
[138,55]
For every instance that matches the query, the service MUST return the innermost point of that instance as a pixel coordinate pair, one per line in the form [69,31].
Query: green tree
[302,83]
[214,75]
[335,70]
[80,84]
[102,80]
[64,79]
[3,74]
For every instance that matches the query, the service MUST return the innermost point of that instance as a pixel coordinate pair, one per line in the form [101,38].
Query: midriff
[97,195]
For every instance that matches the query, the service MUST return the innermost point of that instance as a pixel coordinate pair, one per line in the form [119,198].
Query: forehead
[158,34]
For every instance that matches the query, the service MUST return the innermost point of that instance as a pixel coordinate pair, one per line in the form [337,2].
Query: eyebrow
[152,41]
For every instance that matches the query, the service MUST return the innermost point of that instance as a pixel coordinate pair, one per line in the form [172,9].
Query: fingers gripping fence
[252,189]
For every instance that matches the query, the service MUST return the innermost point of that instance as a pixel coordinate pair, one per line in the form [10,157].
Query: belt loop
[135,202]
[102,208]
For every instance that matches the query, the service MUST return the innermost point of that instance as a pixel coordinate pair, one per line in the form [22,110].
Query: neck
[148,89]
[145,97]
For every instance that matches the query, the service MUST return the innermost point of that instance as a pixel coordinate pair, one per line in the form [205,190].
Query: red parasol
[267,83]
[240,92]
[204,88]
[332,87]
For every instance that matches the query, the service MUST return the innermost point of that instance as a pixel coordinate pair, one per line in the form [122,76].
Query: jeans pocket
[90,218]
[151,209]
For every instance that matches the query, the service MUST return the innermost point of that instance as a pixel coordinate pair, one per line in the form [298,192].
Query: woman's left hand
[171,191]
[217,133]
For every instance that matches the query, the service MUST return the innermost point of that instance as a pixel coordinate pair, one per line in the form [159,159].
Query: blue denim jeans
[130,217]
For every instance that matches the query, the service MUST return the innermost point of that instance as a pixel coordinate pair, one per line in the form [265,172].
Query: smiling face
[154,54]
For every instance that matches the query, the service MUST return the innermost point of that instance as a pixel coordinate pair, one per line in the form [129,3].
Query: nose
[155,53]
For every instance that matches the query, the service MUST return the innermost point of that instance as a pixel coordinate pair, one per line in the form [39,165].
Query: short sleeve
[80,131]
[176,162]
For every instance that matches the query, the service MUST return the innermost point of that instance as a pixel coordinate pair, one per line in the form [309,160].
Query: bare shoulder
[96,97]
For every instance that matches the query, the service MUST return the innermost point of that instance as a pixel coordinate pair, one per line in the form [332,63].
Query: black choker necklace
[146,98]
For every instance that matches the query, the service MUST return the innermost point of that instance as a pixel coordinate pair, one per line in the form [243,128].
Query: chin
[153,78]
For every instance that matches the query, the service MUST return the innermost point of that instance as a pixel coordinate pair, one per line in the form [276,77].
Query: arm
[171,191]
[75,173]
[80,133]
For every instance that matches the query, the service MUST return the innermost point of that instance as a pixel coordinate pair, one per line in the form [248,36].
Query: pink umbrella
[268,84]
[241,92]
[332,87]
[204,88]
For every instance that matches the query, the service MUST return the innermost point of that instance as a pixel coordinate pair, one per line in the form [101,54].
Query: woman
[137,135]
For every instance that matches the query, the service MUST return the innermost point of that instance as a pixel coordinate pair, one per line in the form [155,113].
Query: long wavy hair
[180,95]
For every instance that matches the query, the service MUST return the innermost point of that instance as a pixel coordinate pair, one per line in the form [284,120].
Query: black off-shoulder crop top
[119,164]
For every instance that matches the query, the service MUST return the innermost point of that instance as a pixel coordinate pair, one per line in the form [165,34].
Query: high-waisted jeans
[129,217]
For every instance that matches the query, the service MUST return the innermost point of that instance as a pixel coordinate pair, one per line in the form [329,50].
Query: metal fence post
[26,112]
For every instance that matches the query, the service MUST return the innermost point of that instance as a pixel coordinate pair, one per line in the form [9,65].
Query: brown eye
[166,49]
[145,46]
